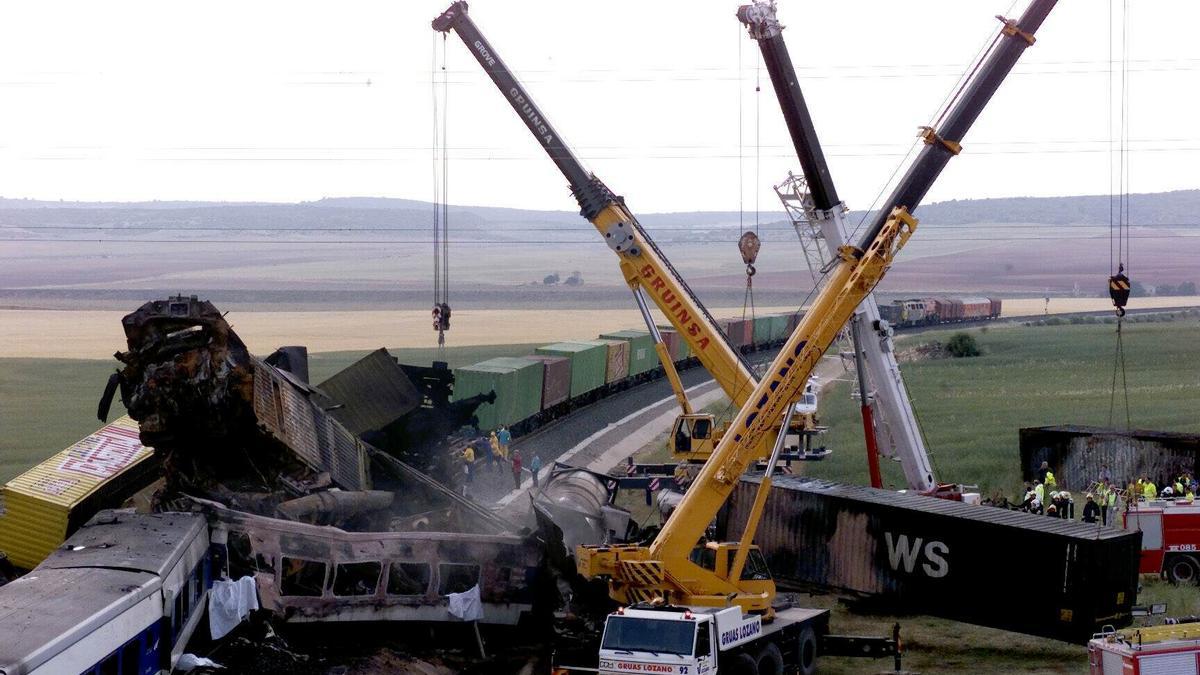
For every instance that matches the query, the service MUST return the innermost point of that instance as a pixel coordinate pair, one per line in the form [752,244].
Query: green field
[48,404]
[971,409]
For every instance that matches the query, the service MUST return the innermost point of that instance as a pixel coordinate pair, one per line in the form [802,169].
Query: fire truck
[1157,650]
[1170,538]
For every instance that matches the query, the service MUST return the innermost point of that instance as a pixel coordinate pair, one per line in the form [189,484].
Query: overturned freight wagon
[978,564]
[1079,454]
[46,504]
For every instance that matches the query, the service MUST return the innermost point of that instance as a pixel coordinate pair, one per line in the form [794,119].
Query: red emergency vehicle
[1157,650]
[1170,538]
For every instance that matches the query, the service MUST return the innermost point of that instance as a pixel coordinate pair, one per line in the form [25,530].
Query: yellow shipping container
[40,508]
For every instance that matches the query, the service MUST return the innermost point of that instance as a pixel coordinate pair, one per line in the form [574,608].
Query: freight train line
[618,440]
[635,429]
[610,445]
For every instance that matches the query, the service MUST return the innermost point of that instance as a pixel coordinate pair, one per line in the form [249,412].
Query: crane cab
[717,557]
[694,436]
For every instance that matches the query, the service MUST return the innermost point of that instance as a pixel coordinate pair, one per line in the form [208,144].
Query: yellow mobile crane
[643,265]
[708,606]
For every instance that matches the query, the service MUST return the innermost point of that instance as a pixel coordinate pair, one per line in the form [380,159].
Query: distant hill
[389,215]
[1181,207]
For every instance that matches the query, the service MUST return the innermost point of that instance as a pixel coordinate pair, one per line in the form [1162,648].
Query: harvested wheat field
[92,334]
[96,334]
[1028,306]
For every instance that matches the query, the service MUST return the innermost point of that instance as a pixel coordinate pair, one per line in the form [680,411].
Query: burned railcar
[219,415]
[1078,455]
[222,419]
[979,564]
[312,573]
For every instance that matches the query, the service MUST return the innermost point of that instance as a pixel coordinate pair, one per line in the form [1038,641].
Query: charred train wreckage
[333,527]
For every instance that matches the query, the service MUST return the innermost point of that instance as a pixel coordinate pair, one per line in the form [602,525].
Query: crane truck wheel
[806,652]
[1183,569]
[770,660]
[740,664]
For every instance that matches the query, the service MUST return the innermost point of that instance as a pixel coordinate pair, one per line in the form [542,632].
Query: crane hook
[1118,289]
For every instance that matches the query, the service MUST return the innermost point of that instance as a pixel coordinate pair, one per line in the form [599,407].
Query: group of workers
[1182,488]
[493,450]
[1043,497]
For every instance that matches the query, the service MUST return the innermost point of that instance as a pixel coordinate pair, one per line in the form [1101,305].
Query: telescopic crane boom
[643,265]
[872,339]
[665,569]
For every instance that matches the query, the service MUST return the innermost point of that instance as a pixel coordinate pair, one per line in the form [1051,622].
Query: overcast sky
[289,101]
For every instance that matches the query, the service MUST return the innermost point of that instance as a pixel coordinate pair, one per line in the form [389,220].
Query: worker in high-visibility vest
[1110,506]
[468,457]
[1039,491]
[1150,490]
[1051,482]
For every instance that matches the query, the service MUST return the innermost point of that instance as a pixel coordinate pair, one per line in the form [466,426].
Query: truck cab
[673,640]
[1170,538]
[708,640]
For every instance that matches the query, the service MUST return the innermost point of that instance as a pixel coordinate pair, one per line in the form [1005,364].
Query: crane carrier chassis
[696,640]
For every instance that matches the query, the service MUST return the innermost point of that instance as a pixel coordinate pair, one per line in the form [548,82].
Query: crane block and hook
[748,244]
[1118,289]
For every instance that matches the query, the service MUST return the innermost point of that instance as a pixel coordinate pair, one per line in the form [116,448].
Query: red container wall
[933,310]
[556,379]
[793,321]
[674,343]
[740,332]
[976,308]
[954,309]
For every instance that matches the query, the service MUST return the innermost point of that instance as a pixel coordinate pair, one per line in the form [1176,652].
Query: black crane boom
[943,143]
[760,20]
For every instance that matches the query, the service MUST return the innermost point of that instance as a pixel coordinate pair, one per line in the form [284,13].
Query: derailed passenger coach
[124,594]
[978,564]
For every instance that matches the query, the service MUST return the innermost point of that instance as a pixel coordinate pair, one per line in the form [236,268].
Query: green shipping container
[779,327]
[642,356]
[762,330]
[530,379]
[518,387]
[588,363]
